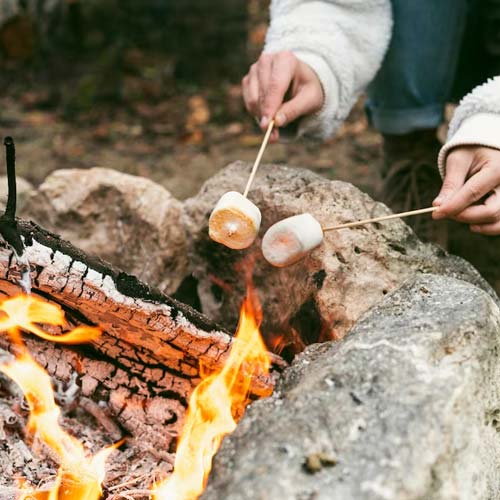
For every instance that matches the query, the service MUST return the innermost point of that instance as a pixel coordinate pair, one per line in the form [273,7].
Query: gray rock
[408,405]
[324,295]
[24,191]
[129,221]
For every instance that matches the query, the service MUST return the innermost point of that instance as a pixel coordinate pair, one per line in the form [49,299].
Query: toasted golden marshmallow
[235,221]
[291,239]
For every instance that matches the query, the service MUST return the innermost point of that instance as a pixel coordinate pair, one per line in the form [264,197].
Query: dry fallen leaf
[250,140]
[194,137]
[33,98]
[316,461]
[37,118]
[17,38]
[101,132]
[198,114]
[234,128]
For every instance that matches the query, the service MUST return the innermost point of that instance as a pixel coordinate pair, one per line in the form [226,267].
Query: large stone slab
[129,221]
[325,294]
[408,404]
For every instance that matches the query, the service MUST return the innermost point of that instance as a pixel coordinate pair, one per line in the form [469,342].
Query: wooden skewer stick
[382,218]
[259,157]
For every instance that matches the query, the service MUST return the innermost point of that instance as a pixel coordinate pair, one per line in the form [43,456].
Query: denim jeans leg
[415,81]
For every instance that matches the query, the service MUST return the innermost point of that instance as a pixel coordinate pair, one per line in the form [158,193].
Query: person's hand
[274,78]
[471,189]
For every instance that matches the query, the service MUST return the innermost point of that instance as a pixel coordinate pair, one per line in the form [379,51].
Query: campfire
[105,380]
[214,408]
[222,388]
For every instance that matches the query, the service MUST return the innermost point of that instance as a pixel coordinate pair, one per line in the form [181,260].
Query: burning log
[152,345]
[143,327]
[216,404]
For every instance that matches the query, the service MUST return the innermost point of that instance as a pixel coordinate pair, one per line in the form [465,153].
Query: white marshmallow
[235,221]
[291,239]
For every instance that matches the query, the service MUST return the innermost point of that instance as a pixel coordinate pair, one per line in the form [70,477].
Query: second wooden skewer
[380,219]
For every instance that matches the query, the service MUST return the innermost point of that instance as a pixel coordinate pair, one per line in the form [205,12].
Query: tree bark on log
[147,361]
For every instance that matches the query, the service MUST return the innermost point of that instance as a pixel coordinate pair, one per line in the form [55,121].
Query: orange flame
[23,312]
[214,407]
[80,476]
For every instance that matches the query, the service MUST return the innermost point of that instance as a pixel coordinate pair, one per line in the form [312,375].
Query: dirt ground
[178,142]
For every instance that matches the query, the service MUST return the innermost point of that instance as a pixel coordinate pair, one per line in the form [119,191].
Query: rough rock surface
[129,221]
[408,405]
[24,191]
[322,296]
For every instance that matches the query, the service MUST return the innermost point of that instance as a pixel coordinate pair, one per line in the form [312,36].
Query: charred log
[136,379]
[142,326]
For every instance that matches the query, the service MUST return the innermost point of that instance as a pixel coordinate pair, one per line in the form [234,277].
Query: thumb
[457,167]
[305,102]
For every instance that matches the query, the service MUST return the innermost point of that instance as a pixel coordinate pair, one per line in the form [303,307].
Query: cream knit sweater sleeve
[476,121]
[344,41]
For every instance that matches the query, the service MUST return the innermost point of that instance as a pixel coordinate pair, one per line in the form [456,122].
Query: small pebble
[316,461]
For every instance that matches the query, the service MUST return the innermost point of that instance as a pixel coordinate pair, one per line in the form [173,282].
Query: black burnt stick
[8,224]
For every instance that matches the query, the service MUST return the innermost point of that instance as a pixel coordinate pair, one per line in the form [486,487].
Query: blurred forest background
[152,88]
[149,87]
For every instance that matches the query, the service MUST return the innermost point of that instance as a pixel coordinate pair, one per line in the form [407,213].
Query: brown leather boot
[410,180]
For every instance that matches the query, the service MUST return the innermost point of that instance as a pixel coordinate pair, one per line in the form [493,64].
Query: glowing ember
[215,406]
[80,476]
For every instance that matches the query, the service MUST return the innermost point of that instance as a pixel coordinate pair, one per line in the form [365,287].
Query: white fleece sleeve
[476,121]
[344,41]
